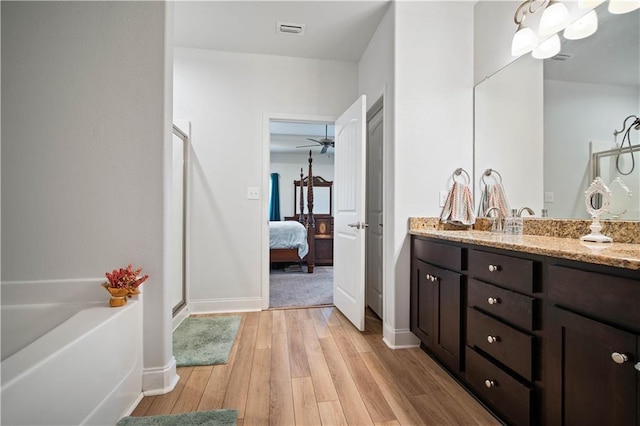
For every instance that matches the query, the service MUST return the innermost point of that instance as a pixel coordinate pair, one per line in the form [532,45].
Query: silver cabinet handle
[432,278]
[494,268]
[490,383]
[492,339]
[493,300]
[619,358]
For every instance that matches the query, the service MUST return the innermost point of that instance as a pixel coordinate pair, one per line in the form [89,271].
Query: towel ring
[490,172]
[458,172]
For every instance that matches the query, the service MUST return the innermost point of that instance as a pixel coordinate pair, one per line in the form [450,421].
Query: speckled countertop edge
[622,255]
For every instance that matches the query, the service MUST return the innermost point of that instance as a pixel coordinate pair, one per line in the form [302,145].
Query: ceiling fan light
[548,48]
[623,6]
[554,18]
[583,27]
[524,40]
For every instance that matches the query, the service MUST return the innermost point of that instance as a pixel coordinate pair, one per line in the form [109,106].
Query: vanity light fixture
[556,17]
[623,6]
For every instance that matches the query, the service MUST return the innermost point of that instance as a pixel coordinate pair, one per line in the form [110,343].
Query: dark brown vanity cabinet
[436,301]
[592,329]
[538,339]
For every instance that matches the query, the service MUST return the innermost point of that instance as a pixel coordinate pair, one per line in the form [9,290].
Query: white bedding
[289,234]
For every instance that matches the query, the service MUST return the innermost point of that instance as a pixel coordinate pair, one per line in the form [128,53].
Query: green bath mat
[205,340]
[197,418]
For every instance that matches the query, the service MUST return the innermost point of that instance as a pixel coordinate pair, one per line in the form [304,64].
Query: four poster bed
[293,240]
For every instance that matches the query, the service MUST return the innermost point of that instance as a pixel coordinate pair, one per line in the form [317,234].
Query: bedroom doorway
[292,142]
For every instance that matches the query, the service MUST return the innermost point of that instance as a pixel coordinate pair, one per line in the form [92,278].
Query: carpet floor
[287,289]
[196,418]
[204,340]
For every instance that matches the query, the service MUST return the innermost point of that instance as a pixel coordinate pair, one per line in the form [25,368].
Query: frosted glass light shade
[547,48]
[583,27]
[554,18]
[623,6]
[524,40]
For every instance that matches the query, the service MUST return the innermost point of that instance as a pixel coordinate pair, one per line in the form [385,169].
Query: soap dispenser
[513,224]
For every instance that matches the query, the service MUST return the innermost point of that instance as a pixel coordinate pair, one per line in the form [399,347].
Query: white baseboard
[248,304]
[160,380]
[180,316]
[133,406]
[399,339]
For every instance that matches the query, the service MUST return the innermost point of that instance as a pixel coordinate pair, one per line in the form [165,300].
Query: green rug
[197,418]
[205,340]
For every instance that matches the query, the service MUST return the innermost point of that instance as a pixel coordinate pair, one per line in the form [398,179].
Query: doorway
[290,142]
[374,208]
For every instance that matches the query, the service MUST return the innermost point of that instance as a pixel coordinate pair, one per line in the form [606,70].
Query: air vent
[561,57]
[287,28]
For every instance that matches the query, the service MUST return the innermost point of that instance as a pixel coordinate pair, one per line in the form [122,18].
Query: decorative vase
[118,296]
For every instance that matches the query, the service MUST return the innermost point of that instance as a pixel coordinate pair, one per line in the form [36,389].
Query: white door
[349,217]
[374,210]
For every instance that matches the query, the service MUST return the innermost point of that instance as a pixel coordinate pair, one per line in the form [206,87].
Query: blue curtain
[274,201]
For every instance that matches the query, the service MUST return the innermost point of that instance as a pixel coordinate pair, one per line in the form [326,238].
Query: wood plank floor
[312,367]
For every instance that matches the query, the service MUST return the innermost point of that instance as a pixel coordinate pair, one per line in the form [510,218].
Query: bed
[287,238]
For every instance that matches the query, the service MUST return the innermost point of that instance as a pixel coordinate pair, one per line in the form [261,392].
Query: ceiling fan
[325,142]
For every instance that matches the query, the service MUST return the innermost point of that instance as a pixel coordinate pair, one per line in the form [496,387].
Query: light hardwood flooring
[312,367]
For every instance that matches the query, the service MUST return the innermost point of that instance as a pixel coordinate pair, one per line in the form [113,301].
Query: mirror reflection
[541,123]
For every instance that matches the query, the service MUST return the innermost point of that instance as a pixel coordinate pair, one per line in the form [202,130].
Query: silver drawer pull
[493,339]
[494,268]
[490,383]
[493,300]
[637,366]
[619,358]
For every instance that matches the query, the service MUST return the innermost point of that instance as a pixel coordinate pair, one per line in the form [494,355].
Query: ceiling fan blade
[305,146]
[324,149]
[316,141]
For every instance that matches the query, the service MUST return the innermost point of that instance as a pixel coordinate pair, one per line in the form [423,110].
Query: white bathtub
[70,363]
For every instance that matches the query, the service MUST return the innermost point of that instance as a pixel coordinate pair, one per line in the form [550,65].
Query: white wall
[376,76]
[433,118]
[574,115]
[288,167]
[84,133]
[225,96]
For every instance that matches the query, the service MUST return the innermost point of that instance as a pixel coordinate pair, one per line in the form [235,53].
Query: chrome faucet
[527,209]
[496,225]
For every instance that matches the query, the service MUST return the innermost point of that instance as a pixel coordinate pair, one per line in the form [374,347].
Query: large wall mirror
[545,124]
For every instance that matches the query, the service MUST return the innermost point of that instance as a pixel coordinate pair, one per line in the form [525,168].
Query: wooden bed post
[301,216]
[311,224]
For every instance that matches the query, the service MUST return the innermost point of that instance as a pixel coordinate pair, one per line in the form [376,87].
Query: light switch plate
[253,193]
[443,198]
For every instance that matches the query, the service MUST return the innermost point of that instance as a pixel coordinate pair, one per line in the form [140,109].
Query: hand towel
[498,198]
[458,208]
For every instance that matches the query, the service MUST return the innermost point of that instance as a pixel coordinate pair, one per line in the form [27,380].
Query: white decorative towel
[458,208]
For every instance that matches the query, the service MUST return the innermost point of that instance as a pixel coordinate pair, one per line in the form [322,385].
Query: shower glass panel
[177,228]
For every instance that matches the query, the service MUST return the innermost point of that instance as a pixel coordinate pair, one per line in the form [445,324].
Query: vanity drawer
[506,344]
[508,397]
[506,271]
[602,296]
[444,255]
[508,305]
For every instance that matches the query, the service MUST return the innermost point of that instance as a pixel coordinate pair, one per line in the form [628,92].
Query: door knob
[619,358]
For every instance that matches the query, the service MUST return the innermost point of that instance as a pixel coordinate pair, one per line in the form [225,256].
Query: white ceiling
[335,30]
[286,137]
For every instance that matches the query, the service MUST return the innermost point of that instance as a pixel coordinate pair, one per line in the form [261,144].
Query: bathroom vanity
[543,330]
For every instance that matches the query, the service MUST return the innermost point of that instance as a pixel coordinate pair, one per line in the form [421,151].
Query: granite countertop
[622,255]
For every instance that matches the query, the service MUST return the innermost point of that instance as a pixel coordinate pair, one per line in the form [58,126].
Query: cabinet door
[448,312]
[422,302]
[590,374]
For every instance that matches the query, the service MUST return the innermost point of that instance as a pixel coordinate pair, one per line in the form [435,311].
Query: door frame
[267,118]
[182,129]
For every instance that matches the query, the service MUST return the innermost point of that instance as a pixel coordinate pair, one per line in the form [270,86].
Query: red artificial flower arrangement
[125,278]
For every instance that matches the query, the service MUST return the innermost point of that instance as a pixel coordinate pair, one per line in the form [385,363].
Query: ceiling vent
[561,57]
[287,28]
